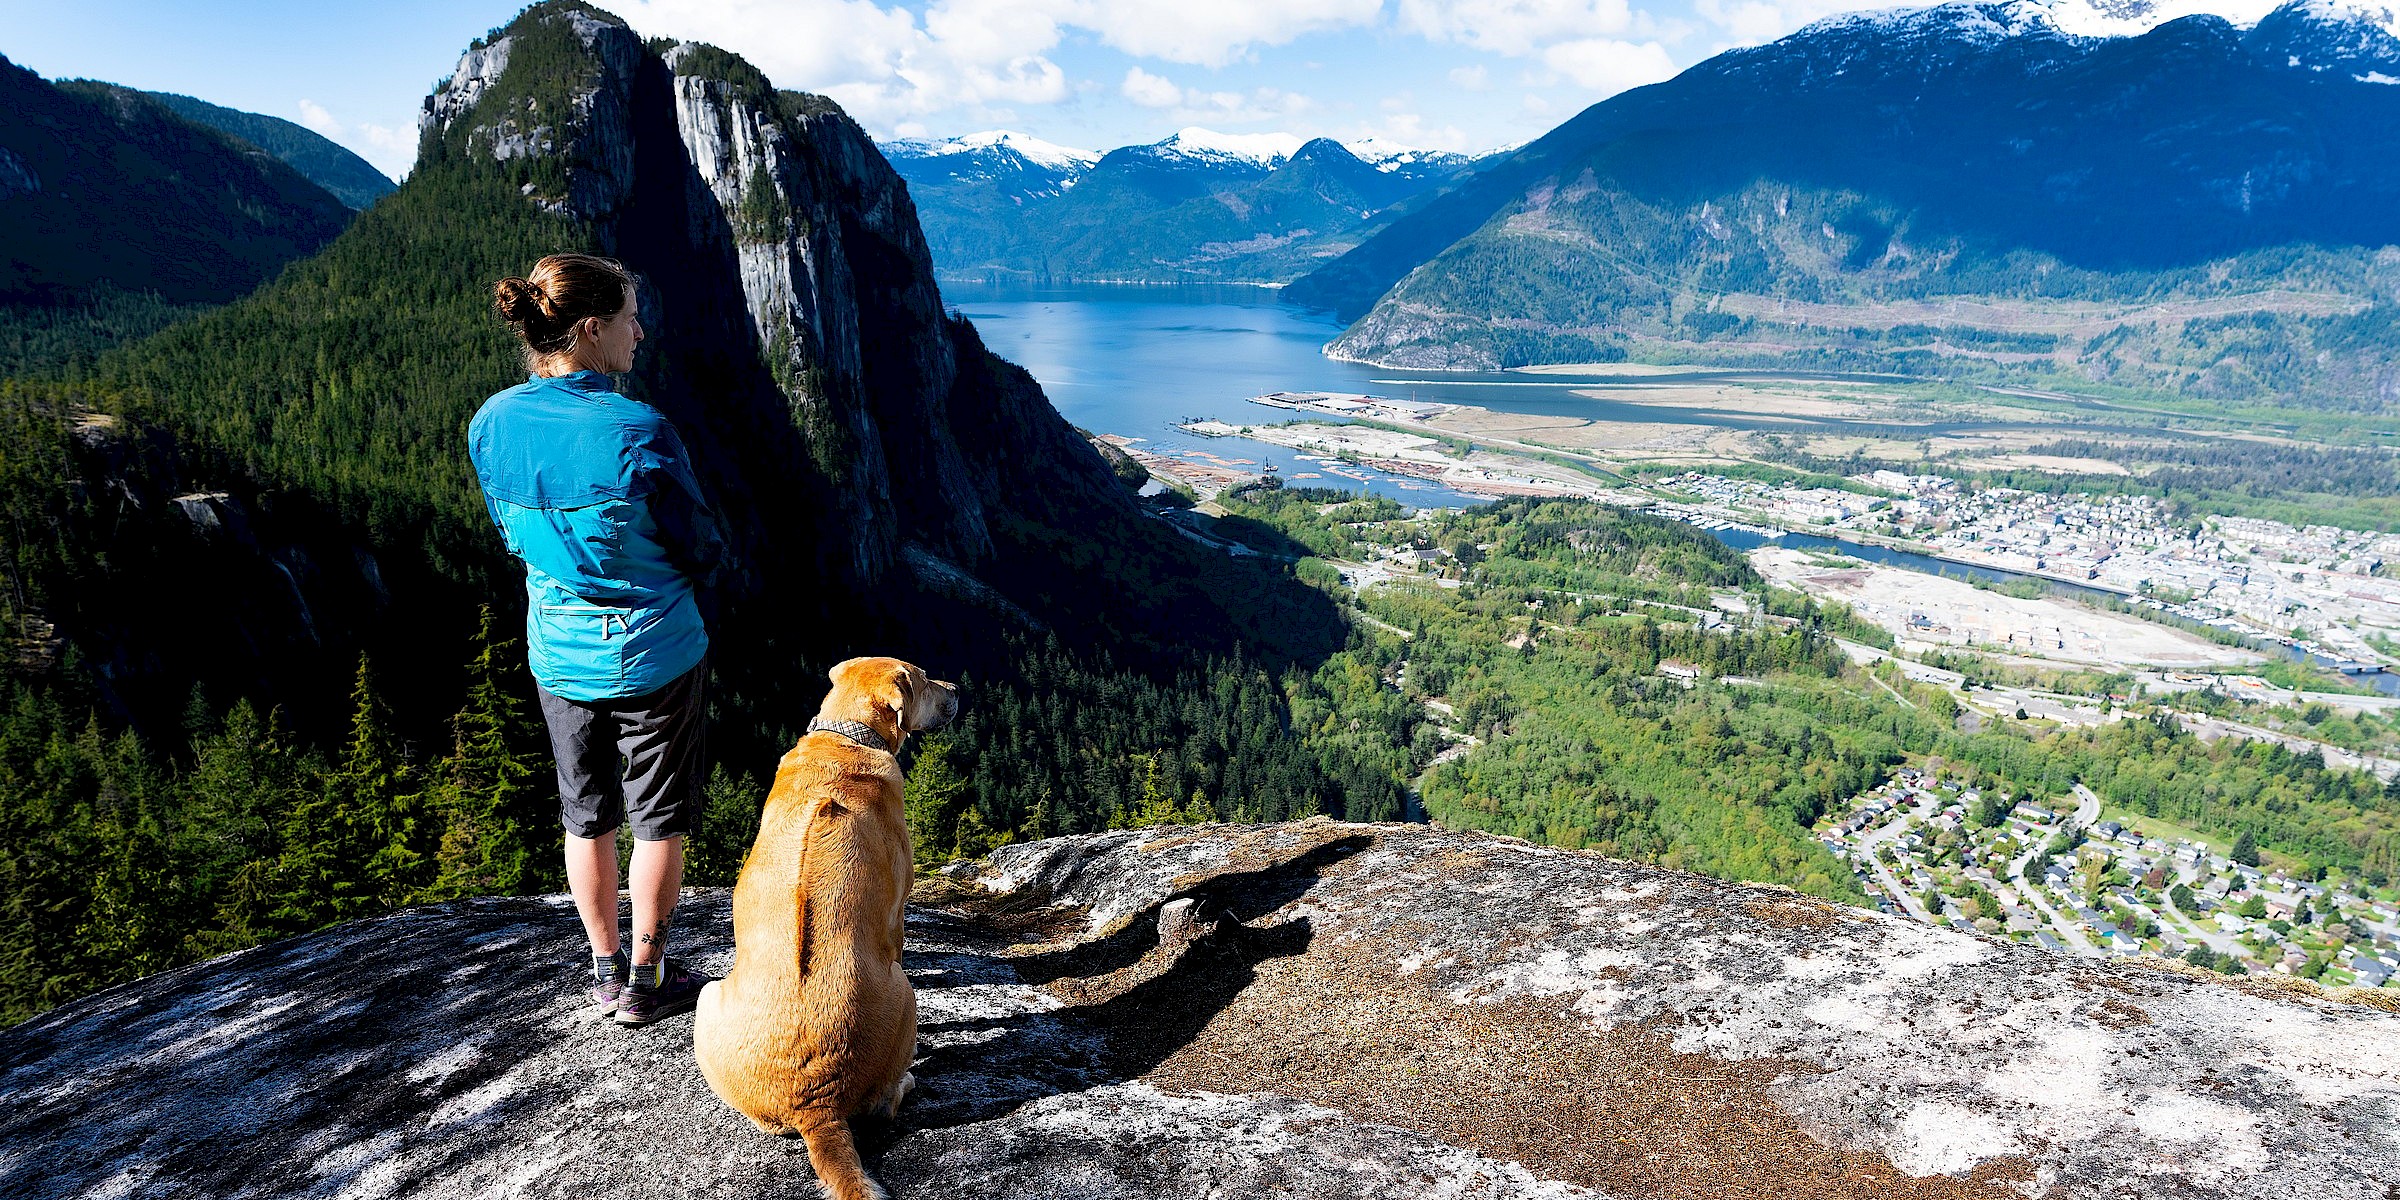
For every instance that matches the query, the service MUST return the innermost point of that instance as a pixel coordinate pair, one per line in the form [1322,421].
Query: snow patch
[1258,149]
[1032,149]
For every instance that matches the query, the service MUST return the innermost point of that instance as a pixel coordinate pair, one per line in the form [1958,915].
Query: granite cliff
[801,291]
[1308,1009]
[891,484]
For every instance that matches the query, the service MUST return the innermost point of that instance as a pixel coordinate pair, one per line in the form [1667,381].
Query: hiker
[594,493]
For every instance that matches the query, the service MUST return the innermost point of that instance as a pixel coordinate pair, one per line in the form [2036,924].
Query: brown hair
[561,291]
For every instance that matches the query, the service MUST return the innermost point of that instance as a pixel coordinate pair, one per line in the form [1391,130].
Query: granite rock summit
[1311,1009]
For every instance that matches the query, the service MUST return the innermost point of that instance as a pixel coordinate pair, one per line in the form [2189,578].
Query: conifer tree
[931,800]
[2245,849]
[382,809]
[492,792]
[728,825]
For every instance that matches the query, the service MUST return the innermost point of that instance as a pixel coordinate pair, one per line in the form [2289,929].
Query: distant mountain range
[325,162]
[104,189]
[1197,206]
[2110,190]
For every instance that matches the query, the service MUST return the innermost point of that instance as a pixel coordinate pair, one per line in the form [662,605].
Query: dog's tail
[835,1157]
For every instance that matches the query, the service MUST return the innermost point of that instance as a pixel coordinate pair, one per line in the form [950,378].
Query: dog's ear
[901,691]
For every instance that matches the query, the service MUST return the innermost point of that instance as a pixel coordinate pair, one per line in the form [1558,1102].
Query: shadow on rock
[1132,999]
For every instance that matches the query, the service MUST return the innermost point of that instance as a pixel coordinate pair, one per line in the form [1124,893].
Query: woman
[594,493]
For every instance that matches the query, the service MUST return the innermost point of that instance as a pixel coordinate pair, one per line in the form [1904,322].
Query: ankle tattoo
[656,935]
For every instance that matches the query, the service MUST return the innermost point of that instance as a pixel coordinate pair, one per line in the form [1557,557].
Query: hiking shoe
[609,993]
[677,991]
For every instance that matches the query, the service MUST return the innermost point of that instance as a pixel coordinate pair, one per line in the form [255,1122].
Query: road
[1881,834]
[2205,930]
[2032,892]
[2087,808]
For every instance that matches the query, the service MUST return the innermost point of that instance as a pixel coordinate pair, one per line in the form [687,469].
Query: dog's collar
[856,732]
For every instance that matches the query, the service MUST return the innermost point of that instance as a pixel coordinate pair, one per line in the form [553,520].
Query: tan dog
[816,1021]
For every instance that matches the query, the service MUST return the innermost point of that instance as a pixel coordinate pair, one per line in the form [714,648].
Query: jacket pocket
[584,645]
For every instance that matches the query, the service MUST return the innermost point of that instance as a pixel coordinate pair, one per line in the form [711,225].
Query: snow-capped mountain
[2007,153]
[1031,149]
[1392,158]
[2313,34]
[1200,204]
[1193,144]
[2108,18]
[1010,162]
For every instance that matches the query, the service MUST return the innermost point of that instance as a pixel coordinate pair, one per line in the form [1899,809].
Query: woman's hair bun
[519,300]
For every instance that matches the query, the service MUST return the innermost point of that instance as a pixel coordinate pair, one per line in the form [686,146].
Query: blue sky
[1465,75]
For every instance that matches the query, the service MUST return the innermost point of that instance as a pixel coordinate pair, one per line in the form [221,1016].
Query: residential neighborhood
[2070,880]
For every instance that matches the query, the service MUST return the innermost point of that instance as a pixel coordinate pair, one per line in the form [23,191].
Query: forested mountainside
[325,162]
[1967,188]
[1196,207]
[251,688]
[117,216]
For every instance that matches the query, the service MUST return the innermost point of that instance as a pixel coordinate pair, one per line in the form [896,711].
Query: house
[2108,829]
[2230,923]
[2047,942]
[2371,972]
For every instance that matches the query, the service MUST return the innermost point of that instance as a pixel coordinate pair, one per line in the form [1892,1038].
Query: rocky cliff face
[1315,1009]
[769,216]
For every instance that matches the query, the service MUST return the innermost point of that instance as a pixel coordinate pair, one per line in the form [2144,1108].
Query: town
[1943,852]
[2319,589]
[2330,594]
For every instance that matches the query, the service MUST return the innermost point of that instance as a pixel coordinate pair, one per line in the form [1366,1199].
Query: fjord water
[1139,360]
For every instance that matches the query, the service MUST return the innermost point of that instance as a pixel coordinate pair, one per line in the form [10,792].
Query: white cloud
[1411,129]
[1212,32]
[886,65]
[1474,78]
[1150,91]
[313,115]
[391,149]
[1202,106]
[1608,66]
[1253,107]
[1515,27]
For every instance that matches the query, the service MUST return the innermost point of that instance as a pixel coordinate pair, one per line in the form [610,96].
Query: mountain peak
[1260,149]
[1032,149]
[2105,18]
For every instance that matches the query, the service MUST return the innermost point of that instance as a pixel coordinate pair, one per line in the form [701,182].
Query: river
[1138,361]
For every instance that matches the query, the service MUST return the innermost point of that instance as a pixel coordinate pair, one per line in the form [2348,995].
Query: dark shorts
[641,756]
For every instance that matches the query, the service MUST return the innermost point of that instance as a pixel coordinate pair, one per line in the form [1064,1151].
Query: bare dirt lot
[1929,610]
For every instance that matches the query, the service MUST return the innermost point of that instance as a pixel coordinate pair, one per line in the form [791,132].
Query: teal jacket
[594,492]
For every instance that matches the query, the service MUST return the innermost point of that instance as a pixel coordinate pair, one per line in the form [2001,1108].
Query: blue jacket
[594,493]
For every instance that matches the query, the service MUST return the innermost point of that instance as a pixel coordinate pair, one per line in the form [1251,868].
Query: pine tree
[932,799]
[490,791]
[382,810]
[2245,849]
[728,825]
[244,782]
